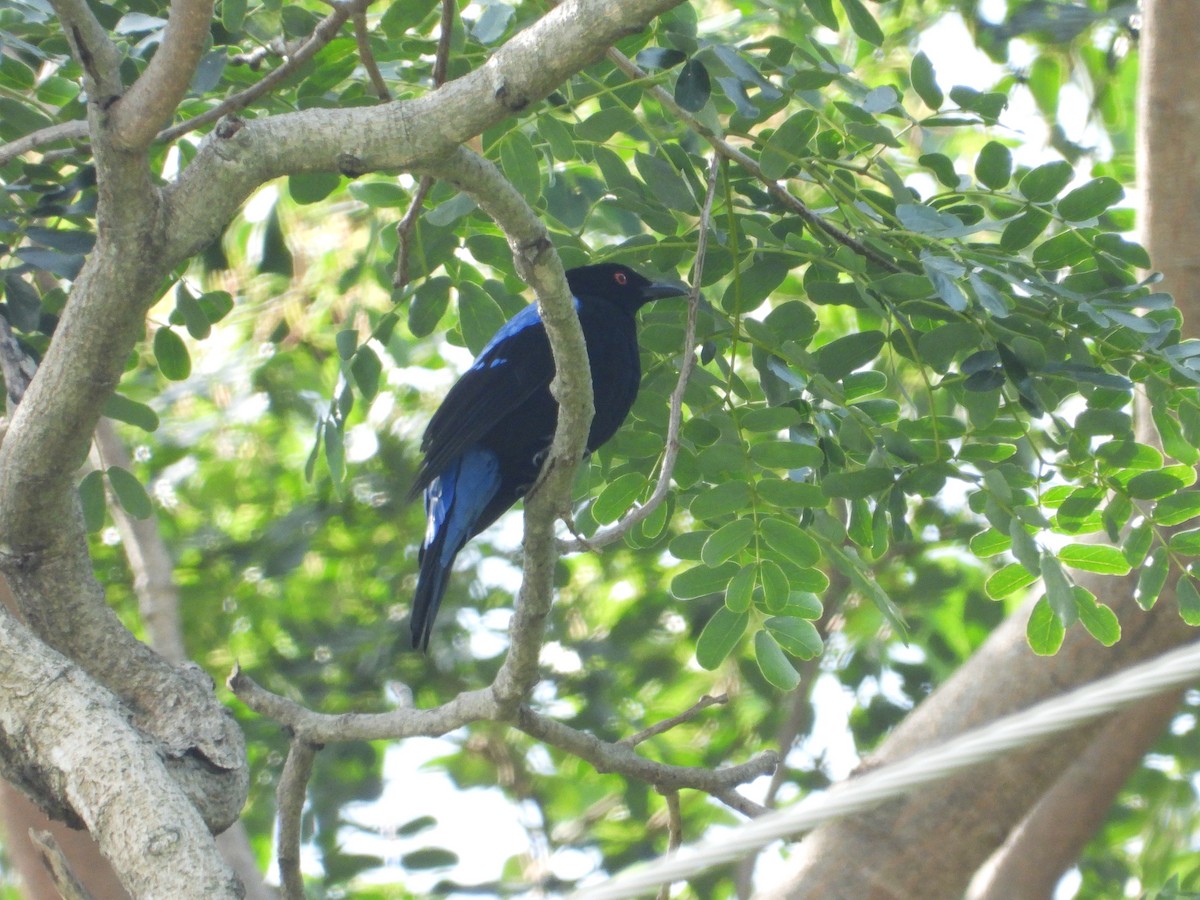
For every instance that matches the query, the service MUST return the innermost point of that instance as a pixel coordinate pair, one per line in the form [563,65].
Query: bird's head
[620,285]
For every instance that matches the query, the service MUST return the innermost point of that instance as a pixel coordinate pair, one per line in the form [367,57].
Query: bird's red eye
[620,278]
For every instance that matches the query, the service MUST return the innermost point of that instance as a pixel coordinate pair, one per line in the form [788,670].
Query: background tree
[917,338]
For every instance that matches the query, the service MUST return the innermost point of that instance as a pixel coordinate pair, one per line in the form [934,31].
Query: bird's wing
[513,365]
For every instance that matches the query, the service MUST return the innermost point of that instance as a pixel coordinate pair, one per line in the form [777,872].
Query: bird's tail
[431,585]
[454,502]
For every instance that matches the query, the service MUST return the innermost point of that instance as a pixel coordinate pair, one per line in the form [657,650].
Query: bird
[485,445]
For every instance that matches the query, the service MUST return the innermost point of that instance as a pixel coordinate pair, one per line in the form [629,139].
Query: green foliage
[949,365]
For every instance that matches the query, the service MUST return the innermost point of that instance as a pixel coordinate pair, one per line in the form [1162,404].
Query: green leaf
[924,81]
[790,541]
[1046,181]
[822,11]
[404,14]
[1151,578]
[786,455]
[739,593]
[720,636]
[429,858]
[171,354]
[720,500]
[192,313]
[519,161]
[1091,199]
[665,182]
[755,285]
[1008,580]
[993,167]
[797,636]
[1044,631]
[366,369]
[335,450]
[121,408]
[1100,621]
[91,498]
[428,305]
[775,667]
[312,187]
[693,87]
[804,604]
[1186,543]
[129,492]
[727,541]
[775,586]
[787,494]
[853,485]
[702,580]
[378,194]
[1094,558]
[1188,598]
[618,495]
[1173,439]
[989,542]
[788,144]
[1153,485]
[840,357]
[863,22]
[1024,547]
[1059,591]
[479,315]
[1024,229]
[1177,508]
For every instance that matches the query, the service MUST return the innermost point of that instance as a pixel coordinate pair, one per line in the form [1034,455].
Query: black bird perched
[485,445]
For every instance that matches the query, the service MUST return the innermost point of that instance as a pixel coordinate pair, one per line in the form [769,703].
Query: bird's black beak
[660,290]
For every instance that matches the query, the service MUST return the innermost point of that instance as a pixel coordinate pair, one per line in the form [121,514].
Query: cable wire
[1175,669]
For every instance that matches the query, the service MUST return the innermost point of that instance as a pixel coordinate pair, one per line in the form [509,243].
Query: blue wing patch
[526,318]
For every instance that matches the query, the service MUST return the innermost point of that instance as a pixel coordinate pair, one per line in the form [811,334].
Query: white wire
[1171,670]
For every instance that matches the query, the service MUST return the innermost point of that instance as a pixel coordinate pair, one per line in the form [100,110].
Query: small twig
[325,31]
[52,134]
[68,886]
[732,153]
[442,62]
[674,833]
[667,724]
[662,488]
[734,800]
[367,56]
[289,796]
[404,228]
[404,231]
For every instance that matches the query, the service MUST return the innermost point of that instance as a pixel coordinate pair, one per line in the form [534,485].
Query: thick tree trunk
[931,845]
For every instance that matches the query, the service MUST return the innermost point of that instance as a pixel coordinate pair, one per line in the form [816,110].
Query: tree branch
[50,715]
[404,134]
[326,30]
[290,793]
[93,50]
[151,101]
[667,724]
[66,131]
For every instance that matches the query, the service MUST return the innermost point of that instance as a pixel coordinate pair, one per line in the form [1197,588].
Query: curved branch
[607,757]
[65,131]
[325,32]
[241,155]
[151,101]
[92,49]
